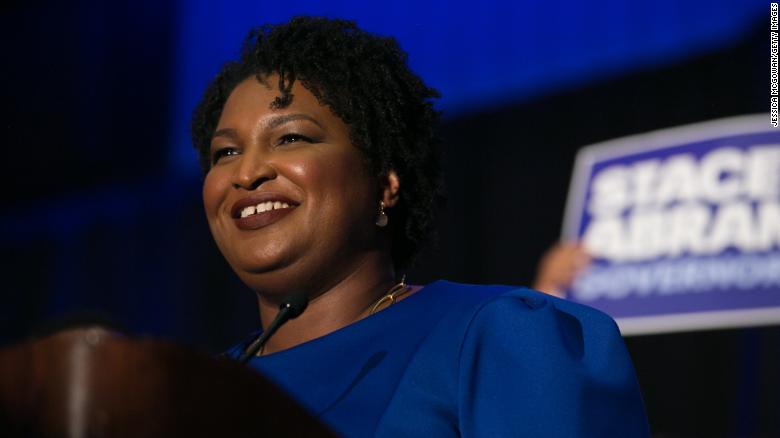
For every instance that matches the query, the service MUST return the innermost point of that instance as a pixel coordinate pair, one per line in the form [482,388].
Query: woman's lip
[259,198]
[260,220]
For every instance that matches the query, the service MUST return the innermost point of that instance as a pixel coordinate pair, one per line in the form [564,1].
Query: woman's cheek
[215,188]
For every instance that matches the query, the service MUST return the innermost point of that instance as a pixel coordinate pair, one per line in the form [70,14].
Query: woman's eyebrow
[270,123]
[225,132]
[281,119]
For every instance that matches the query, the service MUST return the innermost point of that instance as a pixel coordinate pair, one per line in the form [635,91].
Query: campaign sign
[683,225]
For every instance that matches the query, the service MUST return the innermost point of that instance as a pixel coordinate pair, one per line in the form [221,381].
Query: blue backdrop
[476,54]
[101,204]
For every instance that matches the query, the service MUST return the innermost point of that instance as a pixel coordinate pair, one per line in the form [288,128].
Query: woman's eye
[294,138]
[221,153]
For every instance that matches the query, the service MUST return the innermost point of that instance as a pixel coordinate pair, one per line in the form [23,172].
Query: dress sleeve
[534,365]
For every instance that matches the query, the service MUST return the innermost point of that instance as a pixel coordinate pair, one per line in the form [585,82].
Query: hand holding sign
[559,267]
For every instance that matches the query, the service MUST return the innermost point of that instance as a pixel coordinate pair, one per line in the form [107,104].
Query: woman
[318,150]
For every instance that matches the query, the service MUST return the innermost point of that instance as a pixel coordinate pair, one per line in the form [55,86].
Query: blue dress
[463,360]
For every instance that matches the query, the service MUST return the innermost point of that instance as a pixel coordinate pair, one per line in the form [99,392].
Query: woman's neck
[337,305]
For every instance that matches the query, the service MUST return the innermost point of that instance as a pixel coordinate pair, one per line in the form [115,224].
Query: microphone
[292,306]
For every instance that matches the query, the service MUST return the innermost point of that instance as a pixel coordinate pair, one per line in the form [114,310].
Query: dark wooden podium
[89,382]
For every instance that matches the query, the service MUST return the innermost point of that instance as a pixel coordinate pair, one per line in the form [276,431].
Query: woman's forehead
[249,107]
[253,98]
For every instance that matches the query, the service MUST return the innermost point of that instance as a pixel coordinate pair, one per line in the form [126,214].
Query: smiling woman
[321,178]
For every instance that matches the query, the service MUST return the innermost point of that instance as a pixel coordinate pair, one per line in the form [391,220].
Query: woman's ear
[391,186]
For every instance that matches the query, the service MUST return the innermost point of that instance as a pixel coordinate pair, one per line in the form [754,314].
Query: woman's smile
[261,209]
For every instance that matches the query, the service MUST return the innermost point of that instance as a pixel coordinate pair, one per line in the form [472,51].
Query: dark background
[93,219]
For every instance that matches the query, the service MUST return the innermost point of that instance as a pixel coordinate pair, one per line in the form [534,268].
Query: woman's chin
[260,266]
[265,273]
[258,257]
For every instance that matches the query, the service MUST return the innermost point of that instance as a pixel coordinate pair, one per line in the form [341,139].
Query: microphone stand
[292,306]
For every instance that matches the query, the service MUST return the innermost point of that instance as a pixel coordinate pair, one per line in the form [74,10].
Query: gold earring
[381,218]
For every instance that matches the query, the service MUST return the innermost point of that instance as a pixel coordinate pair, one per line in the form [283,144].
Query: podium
[90,382]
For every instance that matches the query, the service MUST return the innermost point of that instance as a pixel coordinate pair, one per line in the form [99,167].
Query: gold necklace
[389,298]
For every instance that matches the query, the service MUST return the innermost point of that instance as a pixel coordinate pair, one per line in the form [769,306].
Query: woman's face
[288,198]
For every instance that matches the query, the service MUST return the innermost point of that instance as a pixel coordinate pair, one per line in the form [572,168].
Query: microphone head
[295,303]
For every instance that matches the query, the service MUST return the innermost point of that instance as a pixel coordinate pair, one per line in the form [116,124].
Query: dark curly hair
[364,80]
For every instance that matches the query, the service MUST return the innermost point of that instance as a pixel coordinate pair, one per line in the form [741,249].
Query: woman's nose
[252,172]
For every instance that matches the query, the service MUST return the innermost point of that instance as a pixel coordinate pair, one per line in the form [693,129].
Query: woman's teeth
[263,207]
